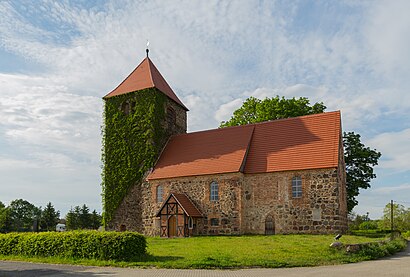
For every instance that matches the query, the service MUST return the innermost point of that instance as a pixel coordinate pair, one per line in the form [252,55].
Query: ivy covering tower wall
[132,138]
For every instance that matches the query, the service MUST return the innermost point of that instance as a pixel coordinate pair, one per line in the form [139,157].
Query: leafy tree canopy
[359,158]
[254,110]
[401,217]
[5,220]
[22,214]
[359,161]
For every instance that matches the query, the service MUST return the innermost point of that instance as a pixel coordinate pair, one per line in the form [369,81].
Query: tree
[73,218]
[81,218]
[254,110]
[49,218]
[22,215]
[85,217]
[95,220]
[5,219]
[359,159]
[401,218]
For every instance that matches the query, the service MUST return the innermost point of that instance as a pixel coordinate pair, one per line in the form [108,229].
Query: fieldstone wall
[180,124]
[269,195]
[128,216]
[226,210]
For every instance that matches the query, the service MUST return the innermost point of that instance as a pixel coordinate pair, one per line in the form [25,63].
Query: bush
[124,246]
[406,235]
[368,225]
[376,250]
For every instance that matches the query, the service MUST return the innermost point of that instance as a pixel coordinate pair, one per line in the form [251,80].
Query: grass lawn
[248,251]
[233,252]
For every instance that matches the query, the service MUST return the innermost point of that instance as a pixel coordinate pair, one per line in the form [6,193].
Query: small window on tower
[171,117]
[125,107]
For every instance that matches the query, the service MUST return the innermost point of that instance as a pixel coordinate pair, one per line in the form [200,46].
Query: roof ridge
[258,123]
[150,71]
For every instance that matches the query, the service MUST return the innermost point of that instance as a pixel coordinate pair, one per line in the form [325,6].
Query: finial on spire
[147,50]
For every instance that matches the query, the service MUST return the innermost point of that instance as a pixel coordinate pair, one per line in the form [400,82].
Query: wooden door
[172,226]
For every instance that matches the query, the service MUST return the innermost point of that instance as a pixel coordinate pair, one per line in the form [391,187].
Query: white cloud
[388,33]
[225,111]
[395,149]
[389,189]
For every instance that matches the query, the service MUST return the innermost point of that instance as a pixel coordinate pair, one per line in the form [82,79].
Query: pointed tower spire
[145,75]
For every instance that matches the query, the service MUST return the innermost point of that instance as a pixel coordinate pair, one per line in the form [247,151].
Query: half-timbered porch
[178,216]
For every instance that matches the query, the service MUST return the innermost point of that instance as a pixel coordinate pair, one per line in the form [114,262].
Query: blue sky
[58,58]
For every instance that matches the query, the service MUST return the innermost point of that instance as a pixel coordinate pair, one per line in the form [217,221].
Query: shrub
[125,246]
[376,250]
[406,235]
[368,225]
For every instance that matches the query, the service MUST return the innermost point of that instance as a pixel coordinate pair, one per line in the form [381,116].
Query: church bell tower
[140,115]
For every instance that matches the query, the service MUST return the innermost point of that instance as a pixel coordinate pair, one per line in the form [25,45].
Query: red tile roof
[145,75]
[189,208]
[206,152]
[305,142]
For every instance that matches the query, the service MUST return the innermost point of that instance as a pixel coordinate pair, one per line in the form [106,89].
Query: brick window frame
[296,187]
[214,191]
[160,193]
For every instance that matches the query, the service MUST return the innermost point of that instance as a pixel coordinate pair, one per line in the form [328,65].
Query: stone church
[277,177]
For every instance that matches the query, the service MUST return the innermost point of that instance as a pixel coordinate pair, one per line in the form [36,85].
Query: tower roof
[145,75]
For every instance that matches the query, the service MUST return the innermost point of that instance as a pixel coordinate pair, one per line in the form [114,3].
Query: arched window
[171,116]
[160,193]
[214,195]
[296,187]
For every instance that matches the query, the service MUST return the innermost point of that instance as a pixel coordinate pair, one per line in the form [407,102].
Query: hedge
[124,246]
